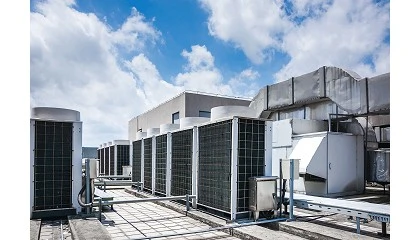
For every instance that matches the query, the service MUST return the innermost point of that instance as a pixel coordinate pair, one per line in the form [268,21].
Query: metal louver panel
[160,176]
[214,183]
[136,169]
[251,157]
[182,144]
[123,157]
[53,165]
[148,163]
[102,160]
[112,160]
[106,165]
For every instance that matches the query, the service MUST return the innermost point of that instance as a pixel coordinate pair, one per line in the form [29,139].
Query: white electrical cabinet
[331,164]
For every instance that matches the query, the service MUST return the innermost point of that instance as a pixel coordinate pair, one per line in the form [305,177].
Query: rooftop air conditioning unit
[56,166]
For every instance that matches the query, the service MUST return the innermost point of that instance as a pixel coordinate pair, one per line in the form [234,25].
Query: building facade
[186,104]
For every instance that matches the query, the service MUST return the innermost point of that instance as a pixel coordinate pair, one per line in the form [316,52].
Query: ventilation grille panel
[215,143]
[102,160]
[123,157]
[106,161]
[53,165]
[160,176]
[112,160]
[182,147]
[136,169]
[148,163]
[251,157]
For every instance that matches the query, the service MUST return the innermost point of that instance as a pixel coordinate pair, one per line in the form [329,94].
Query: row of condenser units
[212,161]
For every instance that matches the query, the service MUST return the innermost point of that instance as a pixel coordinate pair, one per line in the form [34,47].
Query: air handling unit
[56,166]
[330,163]
[231,150]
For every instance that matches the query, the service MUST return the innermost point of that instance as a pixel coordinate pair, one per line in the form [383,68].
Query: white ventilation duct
[152,131]
[231,111]
[192,121]
[164,128]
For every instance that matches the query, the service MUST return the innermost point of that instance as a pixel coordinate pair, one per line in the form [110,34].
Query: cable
[79,198]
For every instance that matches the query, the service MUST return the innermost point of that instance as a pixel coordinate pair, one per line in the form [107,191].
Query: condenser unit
[113,156]
[230,151]
[56,166]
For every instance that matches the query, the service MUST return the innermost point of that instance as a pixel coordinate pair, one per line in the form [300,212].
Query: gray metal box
[261,191]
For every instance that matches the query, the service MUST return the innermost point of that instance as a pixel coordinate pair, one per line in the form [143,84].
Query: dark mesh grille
[53,165]
[123,157]
[136,170]
[106,161]
[102,162]
[160,177]
[148,163]
[251,158]
[112,160]
[215,143]
[181,172]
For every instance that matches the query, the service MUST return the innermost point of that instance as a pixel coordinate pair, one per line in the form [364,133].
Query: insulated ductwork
[350,92]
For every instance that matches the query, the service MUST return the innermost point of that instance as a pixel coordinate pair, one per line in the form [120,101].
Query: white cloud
[150,84]
[201,73]
[245,83]
[135,32]
[253,26]
[74,64]
[348,34]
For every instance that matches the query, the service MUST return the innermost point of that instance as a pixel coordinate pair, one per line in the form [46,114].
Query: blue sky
[112,60]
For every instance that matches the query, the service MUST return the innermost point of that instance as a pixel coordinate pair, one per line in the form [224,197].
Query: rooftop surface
[142,220]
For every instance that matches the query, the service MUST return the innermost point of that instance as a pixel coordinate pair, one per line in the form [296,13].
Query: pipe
[113,183]
[145,200]
[217,228]
[113,176]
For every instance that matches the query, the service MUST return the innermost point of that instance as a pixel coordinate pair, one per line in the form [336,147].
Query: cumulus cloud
[347,34]
[74,65]
[77,63]
[245,83]
[200,73]
[135,32]
[255,27]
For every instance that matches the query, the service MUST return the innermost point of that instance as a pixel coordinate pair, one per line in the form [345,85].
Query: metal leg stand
[291,189]
[100,209]
[358,224]
[187,204]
